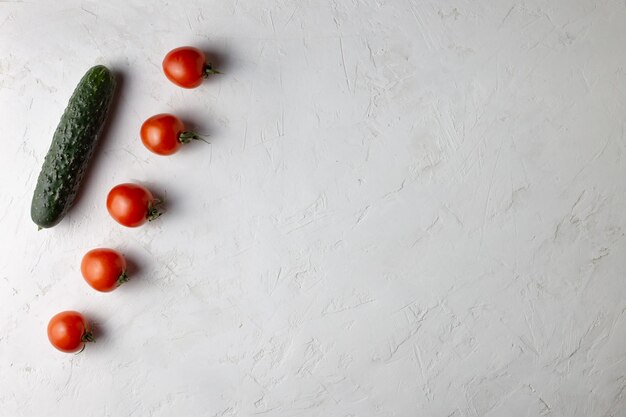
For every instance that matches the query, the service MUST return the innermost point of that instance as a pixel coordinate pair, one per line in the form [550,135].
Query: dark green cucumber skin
[72,147]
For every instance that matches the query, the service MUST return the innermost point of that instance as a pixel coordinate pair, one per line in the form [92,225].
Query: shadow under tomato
[198,124]
[133,270]
[217,58]
[98,330]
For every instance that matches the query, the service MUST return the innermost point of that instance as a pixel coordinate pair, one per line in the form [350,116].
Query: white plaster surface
[409,208]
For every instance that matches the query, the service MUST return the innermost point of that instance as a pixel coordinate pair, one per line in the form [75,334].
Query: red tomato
[186,67]
[132,205]
[162,133]
[68,331]
[104,269]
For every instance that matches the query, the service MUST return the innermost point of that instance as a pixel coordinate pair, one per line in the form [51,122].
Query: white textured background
[409,208]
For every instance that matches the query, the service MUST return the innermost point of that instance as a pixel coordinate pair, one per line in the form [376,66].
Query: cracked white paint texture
[408,208]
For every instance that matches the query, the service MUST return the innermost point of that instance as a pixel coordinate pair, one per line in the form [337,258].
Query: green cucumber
[73,144]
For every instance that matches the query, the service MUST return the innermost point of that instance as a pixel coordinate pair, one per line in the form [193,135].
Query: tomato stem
[122,278]
[153,211]
[187,136]
[208,70]
[88,337]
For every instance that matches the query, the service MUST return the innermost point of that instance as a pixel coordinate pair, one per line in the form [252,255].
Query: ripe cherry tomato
[186,67]
[164,133]
[132,205]
[68,331]
[104,269]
